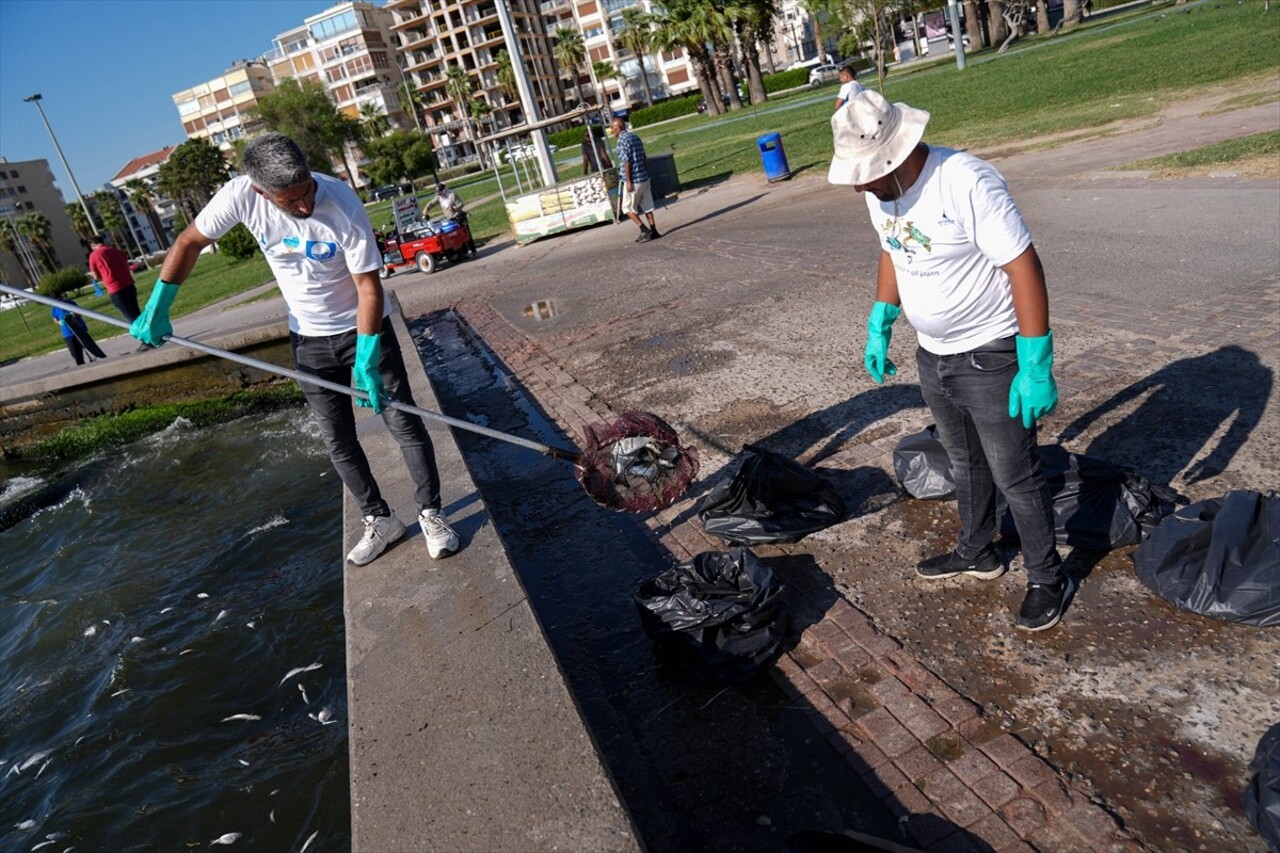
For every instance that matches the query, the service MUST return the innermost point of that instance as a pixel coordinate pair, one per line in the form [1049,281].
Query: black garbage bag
[1218,557]
[1262,797]
[1097,504]
[923,467]
[770,498]
[717,618]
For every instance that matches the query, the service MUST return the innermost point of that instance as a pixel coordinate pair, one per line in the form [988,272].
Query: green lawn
[1265,144]
[214,278]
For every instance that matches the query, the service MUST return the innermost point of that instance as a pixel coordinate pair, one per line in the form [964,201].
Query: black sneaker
[985,566]
[644,236]
[653,233]
[1043,606]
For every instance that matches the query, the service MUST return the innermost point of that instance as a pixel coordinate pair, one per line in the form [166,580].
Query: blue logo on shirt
[291,242]
[318,251]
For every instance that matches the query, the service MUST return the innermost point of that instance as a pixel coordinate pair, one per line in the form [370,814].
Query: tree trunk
[817,36]
[644,82]
[973,24]
[728,81]
[915,36]
[1071,13]
[1042,17]
[704,71]
[995,21]
[755,78]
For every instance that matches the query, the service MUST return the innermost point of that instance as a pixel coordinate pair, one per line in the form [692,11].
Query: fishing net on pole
[635,464]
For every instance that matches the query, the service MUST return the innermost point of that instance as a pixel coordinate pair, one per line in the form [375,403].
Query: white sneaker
[441,540]
[379,532]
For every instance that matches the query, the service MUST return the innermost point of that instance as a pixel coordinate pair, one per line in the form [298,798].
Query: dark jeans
[126,301]
[81,342]
[968,394]
[332,358]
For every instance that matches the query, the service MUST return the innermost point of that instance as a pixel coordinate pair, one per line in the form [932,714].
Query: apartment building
[154,231]
[350,50]
[669,73]
[27,186]
[220,109]
[436,35]
[793,35]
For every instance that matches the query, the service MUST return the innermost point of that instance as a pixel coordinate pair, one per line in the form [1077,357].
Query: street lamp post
[35,99]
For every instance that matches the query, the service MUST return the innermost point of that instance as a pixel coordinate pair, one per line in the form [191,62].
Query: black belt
[998,345]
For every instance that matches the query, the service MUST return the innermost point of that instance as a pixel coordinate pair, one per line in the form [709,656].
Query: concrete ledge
[463,734]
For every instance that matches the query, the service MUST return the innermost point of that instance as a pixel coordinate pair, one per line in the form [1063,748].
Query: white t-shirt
[848,90]
[312,258]
[948,236]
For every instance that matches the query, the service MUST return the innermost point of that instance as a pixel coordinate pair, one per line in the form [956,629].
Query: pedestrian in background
[957,259]
[633,171]
[595,153]
[452,207]
[317,239]
[75,334]
[849,86]
[110,266]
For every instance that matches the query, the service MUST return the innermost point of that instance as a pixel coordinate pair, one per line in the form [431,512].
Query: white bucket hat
[872,137]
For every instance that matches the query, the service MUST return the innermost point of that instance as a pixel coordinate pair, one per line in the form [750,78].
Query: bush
[64,281]
[459,171]
[785,80]
[566,138]
[668,109]
[238,243]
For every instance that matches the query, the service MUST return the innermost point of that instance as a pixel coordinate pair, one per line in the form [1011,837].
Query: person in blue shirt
[75,334]
[633,171]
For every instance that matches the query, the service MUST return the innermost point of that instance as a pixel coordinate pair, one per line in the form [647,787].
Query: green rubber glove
[365,372]
[1033,393]
[153,323]
[879,331]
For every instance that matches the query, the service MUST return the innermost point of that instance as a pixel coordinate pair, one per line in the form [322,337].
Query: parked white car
[824,74]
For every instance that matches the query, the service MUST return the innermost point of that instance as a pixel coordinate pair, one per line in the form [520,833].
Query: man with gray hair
[318,240]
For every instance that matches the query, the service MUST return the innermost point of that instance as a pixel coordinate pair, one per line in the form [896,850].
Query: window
[22,190]
[334,26]
[337,73]
[619,5]
[241,88]
[380,60]
[591,33]
[186,108]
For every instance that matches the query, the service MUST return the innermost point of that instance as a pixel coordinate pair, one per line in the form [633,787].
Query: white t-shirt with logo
[312,258]
[948,236]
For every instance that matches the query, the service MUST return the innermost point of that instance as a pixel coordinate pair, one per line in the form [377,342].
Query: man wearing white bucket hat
[958,260]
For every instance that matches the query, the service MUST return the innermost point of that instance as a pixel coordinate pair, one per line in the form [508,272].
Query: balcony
[418,19]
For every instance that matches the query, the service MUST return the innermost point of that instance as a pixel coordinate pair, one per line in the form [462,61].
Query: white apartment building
[435,35]
[147,169]
[219,109]
[669,73]
[350,50]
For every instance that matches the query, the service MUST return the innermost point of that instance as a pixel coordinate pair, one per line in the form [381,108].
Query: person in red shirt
[110,266]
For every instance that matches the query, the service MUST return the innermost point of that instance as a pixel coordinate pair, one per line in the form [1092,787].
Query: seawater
[146,621]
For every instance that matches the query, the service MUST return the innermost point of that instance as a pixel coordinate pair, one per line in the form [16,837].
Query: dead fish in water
[229,838]
[242,761]
[42,844]
[185,652]
[91,630]
[120,692]
[299,669]
[250,625]
[42,767]
[324,718]
[240,717]
[304,694]
[135,639]
[26,824]
[166,610]
[30,762]
[221,615]
[272,816]
[310,838]
[202,595]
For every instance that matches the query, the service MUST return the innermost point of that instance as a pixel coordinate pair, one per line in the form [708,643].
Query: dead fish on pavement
[299,669]
[229,838]
[240,717]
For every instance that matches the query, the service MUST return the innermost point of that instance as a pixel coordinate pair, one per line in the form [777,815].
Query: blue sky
[108,69]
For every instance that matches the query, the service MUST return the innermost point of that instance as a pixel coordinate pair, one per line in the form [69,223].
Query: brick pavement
[954,777]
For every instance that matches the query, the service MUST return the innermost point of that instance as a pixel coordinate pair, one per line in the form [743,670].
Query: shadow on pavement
[704,184]
[713,214]
[1186,403]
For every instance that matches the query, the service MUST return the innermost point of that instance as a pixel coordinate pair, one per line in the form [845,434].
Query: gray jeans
[968,395]
[332,357]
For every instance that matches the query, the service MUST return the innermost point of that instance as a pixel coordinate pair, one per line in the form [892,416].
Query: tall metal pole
[527,101]
[956,32]
[35,99]
[123,198]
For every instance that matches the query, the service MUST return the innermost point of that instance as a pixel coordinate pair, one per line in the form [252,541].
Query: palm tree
[79,221]
[460,85]
[38,231]
[687,25]
[754,20]
[9,241]
[375,121]
[413,101]
[569,52]
[112,216]
[604,70]
[637,37]
[141,196]
[506,75]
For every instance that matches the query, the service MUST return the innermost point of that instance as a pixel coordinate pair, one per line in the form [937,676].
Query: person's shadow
[1186,404]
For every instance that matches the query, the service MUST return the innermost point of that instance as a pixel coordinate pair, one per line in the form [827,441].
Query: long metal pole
[527,101]
[35,99]
[957,33]
[268,367]
[128,220]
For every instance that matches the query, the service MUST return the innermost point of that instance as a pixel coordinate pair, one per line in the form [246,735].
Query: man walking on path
[110,266]
[849,86]
[75,334]
[958,259]
[633,169]
[319,242]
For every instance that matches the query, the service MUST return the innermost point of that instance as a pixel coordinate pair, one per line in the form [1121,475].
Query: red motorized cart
[425,244]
